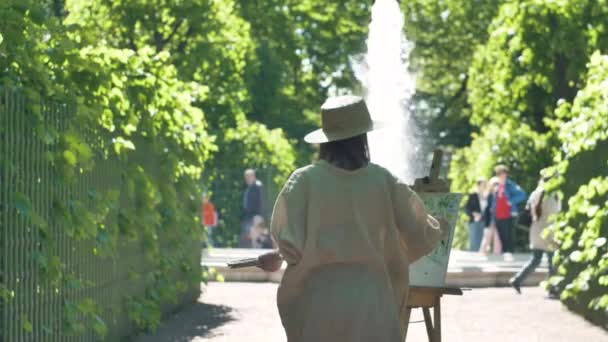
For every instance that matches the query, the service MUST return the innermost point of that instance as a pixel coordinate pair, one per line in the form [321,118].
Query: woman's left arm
[288,222]
[287,237]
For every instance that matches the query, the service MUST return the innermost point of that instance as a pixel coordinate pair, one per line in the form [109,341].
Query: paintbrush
[250,262]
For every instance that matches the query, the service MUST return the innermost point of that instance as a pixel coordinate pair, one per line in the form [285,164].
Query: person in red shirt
[504,207]
[209,218]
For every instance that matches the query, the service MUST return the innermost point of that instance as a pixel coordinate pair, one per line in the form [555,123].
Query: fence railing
[33,307]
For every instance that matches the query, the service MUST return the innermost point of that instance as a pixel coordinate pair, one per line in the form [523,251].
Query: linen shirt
[364,222]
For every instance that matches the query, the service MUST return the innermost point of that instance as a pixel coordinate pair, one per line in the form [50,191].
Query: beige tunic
[551,205]
[348,238]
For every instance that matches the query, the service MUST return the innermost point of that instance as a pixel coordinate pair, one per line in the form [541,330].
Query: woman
[476,205]
[490,234]
[348,230]
[542,206]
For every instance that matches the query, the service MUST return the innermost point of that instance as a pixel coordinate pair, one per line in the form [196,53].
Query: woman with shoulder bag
[542,207]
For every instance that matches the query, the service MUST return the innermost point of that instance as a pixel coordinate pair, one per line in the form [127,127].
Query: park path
[236,312]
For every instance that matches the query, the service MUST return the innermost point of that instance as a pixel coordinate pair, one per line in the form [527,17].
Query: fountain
[388,87]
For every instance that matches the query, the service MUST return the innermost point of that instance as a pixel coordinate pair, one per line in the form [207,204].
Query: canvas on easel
[430,270]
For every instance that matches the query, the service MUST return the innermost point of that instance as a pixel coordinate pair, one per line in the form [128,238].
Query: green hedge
[125,161]
[582,166]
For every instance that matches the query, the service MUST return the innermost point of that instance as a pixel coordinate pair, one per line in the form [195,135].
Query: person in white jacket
[542,207]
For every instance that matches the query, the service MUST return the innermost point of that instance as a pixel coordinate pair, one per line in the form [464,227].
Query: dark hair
[349,154]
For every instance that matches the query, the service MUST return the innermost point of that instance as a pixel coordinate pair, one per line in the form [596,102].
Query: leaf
[121,144]
[599,242]
[26,325]
[73,283]
[47,330]
[592,210]
[576,256]
[99,326]
[23,204]
[69,157]
[6,294]
[36,13]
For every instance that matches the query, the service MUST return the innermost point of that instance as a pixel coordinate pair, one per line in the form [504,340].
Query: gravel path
[238,312]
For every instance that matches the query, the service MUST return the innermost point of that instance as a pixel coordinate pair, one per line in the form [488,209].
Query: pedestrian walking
[504,208]
[542,207]
[348,229]
[253,206]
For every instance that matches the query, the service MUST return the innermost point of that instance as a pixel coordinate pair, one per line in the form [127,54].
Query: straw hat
[343,117]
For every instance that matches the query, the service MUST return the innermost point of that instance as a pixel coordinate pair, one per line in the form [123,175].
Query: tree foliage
[445,35]
[302,52]
[258,148]
[204,39]
[535,56]
[211,46]
[536,90]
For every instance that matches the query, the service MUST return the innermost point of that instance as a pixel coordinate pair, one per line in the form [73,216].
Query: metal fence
[33,309]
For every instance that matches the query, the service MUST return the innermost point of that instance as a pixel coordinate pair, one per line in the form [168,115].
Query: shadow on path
[196,320]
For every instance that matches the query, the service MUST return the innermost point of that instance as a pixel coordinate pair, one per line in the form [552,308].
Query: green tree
[205,39]
[210,45]
[445,35]
[303,49]
[535,57]
[259,148]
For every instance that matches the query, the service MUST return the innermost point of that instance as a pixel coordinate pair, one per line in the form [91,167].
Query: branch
[58,8]
[131,43]
[451,100]
[182,45]
[161,42]
[176,27]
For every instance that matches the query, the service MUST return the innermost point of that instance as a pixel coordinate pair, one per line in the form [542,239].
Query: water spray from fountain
[389,86]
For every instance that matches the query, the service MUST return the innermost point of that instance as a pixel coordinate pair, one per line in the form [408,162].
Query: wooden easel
[429,297]
[432,183]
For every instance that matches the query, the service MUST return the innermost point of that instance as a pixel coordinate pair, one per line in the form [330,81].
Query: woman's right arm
[419,231]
